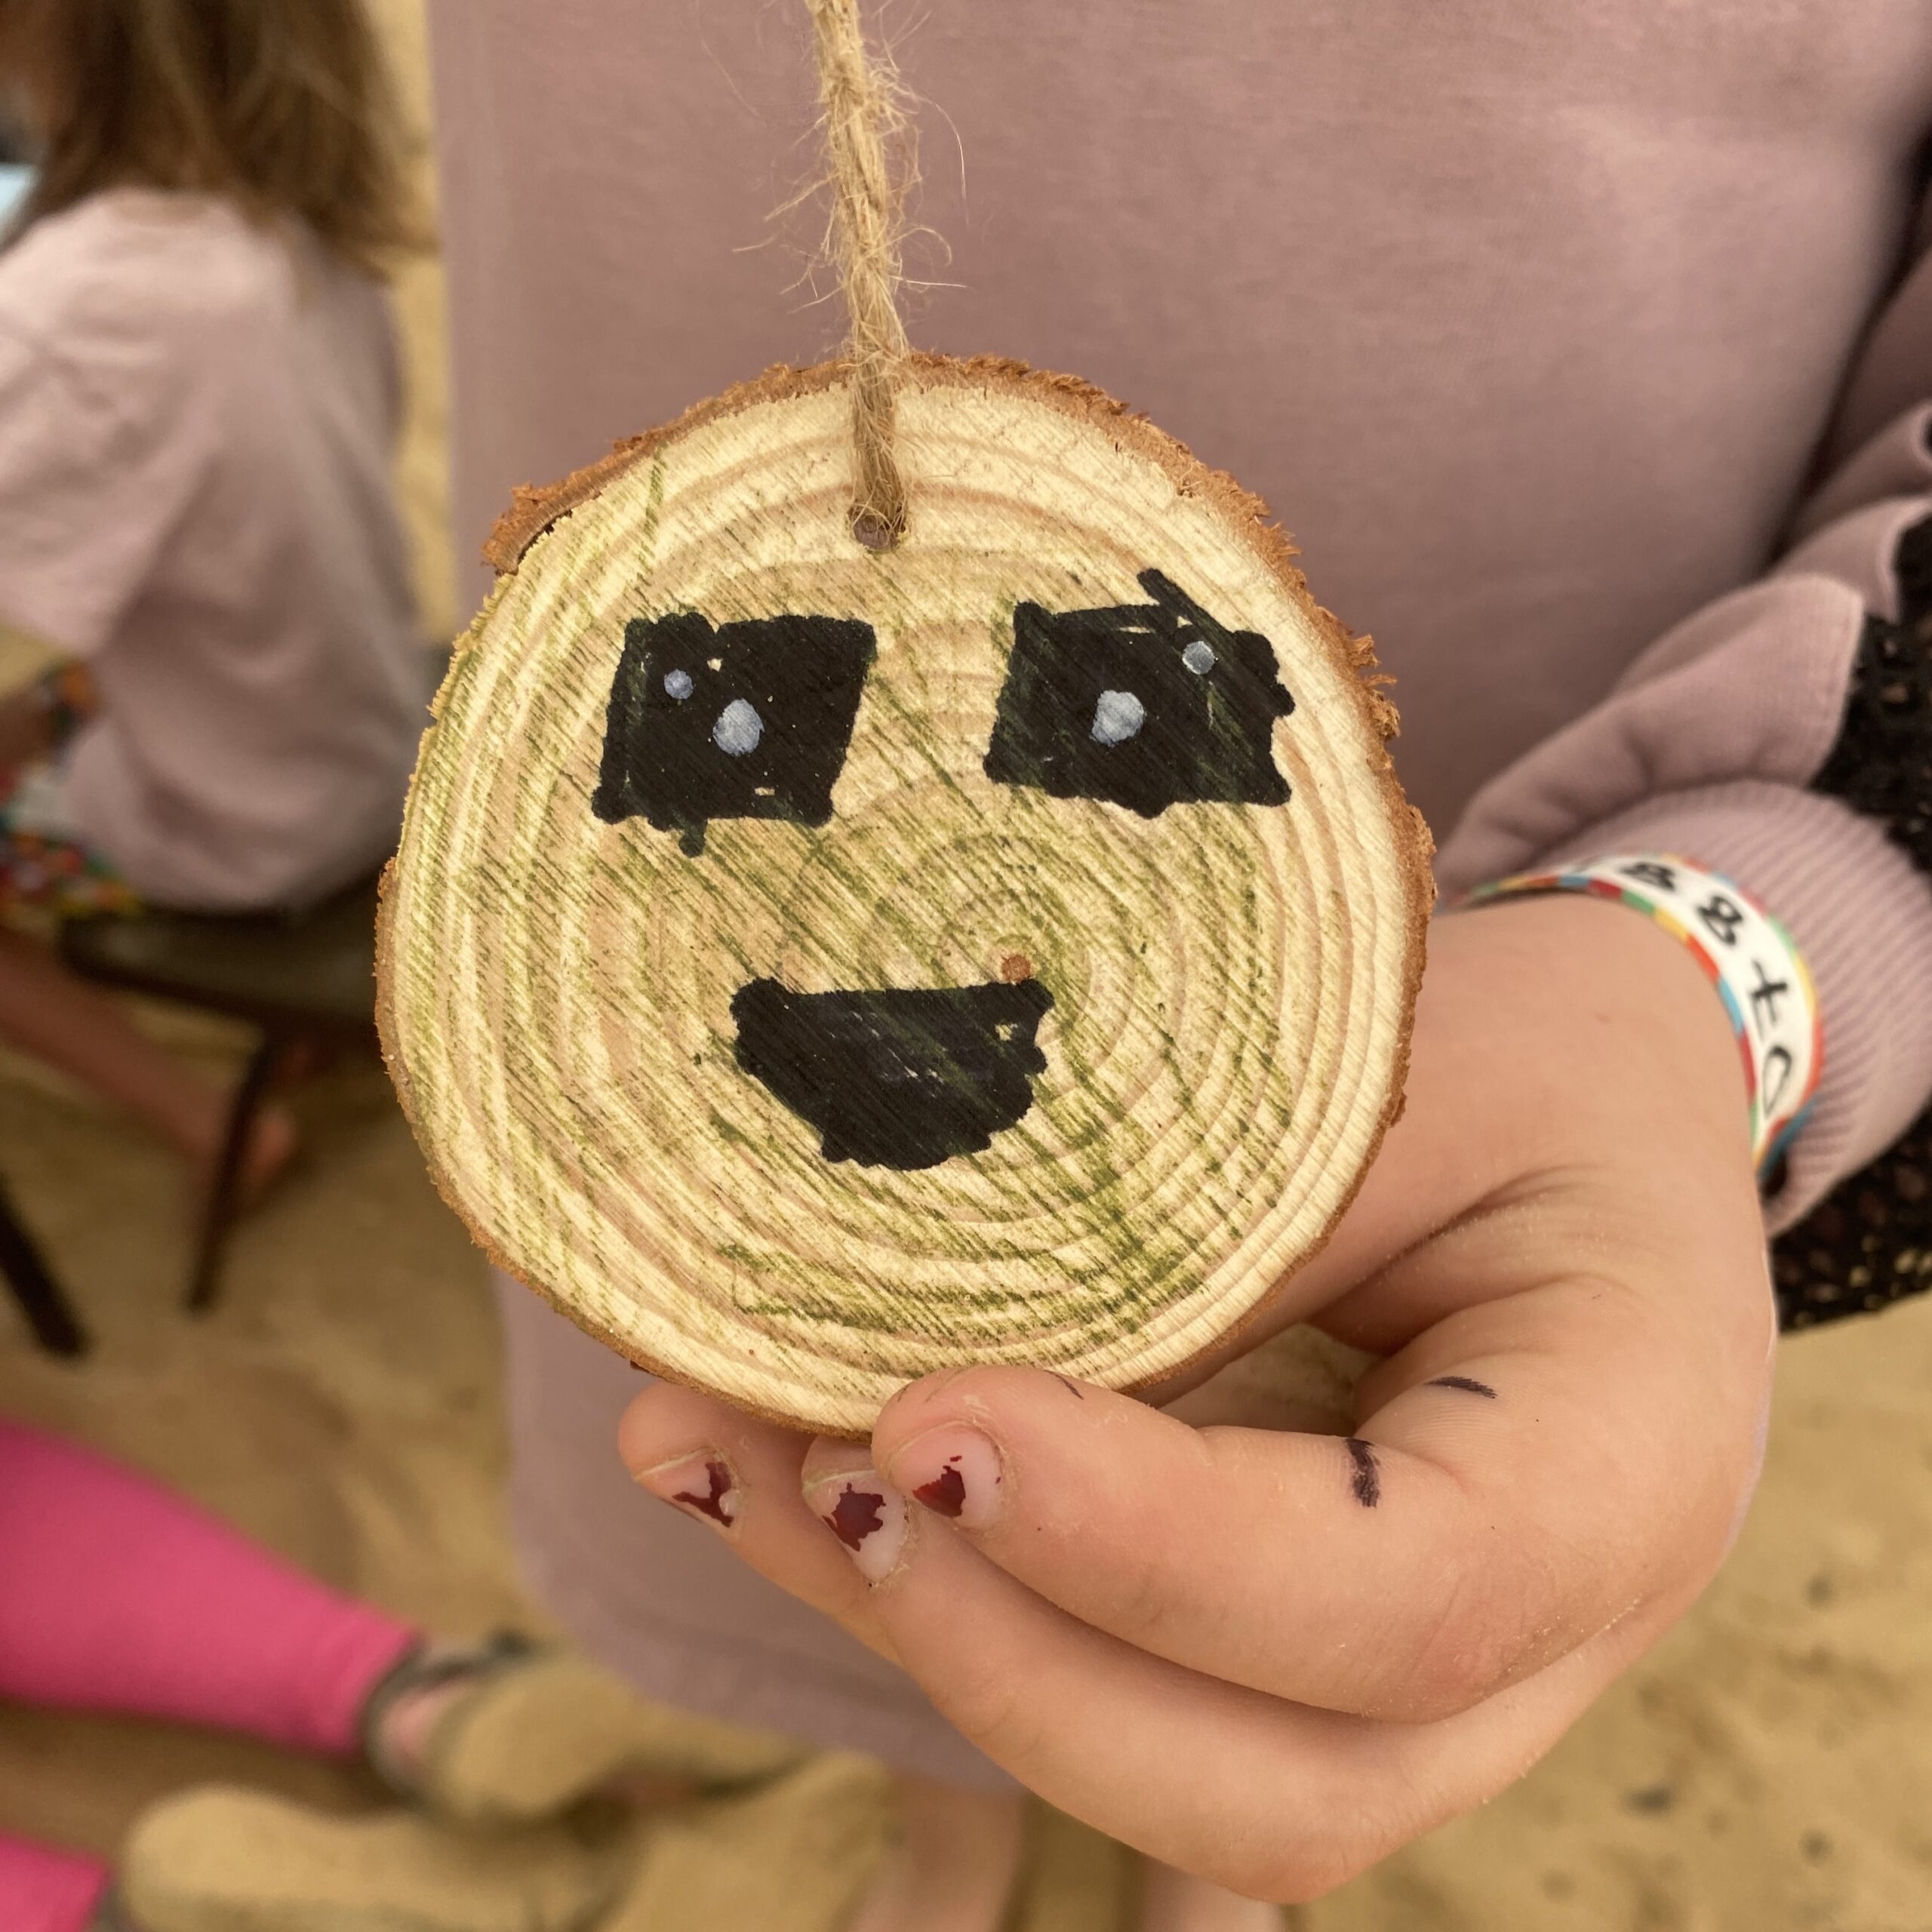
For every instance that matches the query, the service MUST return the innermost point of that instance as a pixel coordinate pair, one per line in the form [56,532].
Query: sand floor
[1768,1768]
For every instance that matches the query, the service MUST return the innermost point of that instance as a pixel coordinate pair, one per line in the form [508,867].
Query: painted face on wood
[811,967]
[1145,706]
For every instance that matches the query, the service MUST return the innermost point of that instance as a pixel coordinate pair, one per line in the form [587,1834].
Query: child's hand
[1271,1658]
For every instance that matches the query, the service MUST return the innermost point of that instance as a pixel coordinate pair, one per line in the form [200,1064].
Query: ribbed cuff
[1862,915]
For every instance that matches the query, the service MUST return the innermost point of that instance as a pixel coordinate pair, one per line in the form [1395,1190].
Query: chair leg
[224,1196]
[48,1312]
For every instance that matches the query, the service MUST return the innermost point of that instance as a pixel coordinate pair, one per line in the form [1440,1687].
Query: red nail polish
[702,1484]
[955,1472]
[867,1515]
[946,1492]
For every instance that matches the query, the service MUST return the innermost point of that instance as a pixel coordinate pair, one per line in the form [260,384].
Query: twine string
[865,129]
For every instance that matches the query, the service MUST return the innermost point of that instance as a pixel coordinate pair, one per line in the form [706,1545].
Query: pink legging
[117,1594]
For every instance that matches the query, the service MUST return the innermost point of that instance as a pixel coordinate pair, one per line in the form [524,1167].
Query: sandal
[539,1730]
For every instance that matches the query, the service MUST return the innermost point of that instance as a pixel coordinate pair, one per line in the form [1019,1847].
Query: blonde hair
[285,106]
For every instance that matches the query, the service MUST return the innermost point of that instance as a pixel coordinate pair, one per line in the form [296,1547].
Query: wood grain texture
[1231,984]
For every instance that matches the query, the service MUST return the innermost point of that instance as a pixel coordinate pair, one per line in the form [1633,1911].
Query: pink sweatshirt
[1586,350]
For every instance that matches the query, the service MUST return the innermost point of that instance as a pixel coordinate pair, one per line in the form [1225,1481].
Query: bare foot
[271,1146]
[409,1715]
[954,1868]
[46,1011]
[1172,1901]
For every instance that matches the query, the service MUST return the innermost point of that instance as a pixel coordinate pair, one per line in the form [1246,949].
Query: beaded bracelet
[1759,973]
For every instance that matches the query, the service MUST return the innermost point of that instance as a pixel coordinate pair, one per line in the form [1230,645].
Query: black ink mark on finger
[1367,1482]
[1072,1387]
[1466,1383]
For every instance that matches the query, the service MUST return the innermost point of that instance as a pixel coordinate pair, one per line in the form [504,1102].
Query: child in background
[198,398]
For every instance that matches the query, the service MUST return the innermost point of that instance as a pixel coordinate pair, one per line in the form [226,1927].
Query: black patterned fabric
[1869,1243]
[1882,764]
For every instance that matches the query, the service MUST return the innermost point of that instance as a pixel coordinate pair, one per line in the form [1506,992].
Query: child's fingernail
[954,1471]
[868,1516]
[702,1484]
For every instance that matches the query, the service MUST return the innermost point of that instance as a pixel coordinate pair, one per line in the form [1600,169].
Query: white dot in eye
[1199,657]
[738,730]
[679,683]
[1117,717]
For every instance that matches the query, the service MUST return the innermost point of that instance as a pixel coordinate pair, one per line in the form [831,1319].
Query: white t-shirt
[196,422]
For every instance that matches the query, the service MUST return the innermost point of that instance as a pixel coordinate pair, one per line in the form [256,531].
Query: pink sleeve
[96,464]
[1731,741]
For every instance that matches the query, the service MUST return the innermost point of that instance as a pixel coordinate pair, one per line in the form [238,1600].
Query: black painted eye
[750,720]
[1142,705]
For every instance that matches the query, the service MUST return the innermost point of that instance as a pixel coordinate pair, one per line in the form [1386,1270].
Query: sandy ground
[1769,1769]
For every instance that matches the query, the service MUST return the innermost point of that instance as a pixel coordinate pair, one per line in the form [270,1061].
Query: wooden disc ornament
[833,941]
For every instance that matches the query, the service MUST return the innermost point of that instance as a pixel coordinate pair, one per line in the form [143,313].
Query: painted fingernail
[868,1516]
[954,1471]
[701,1485]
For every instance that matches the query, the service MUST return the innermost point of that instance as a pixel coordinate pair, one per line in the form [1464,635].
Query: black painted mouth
[896,1079]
